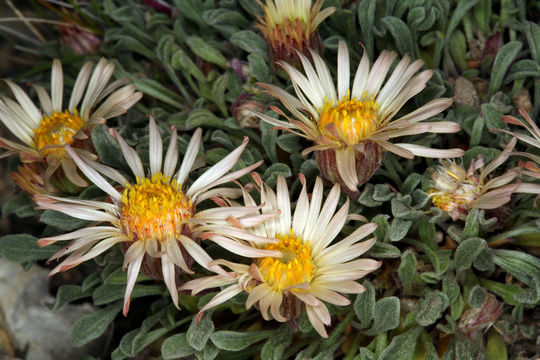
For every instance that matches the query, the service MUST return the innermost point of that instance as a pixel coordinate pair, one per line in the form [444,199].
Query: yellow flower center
[57,130]
[295,267]
[154,208]
[354,120]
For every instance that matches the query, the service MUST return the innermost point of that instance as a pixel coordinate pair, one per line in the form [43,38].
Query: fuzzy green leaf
[401,33]
[398,229]
[503,60]
[19,204]
[235,341]
[91,326]
[386,315]
[364,305]
[523,266]
[407,271]
[107,293]
[175,347]
[199,332]
[22,248]
[467,252]
[402,346]
[430,307]
[249,41]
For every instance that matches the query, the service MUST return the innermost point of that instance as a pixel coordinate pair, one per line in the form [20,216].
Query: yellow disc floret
[154,208]
[57,130]
[295,267]
[354,120]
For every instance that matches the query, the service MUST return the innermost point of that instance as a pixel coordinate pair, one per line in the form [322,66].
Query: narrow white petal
[428,110]
[325,215]
[189,158]
[44,99]
[171,158]
[333,229]
[167,268]
[131,156]
[218,170]
[301,211]
[172,247]
[220,298]
[346,164]
[343,71]
[93,175]
[133,272]
[257,294]
[283,204]
[424,151]
[498,160]
[361,77]
[379,70]
[238,248]
[24,101]
[80,86]
[316,321]
[57,85]
[314,207]
[156,148]
[324,76]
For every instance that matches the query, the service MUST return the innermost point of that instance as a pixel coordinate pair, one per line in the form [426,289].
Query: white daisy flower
[352,126]
[154,216]
[310,271]
[45,130]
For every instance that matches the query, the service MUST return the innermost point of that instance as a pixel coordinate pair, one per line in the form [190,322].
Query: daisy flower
[351,127]
[45,130]
[456,190]
[155,216]
[310,271]
[290,26]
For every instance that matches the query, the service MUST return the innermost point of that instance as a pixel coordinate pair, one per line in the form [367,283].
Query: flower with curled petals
[351,127]
[155,216]
[311,269]
[456,191]
[45,130]
[529,168]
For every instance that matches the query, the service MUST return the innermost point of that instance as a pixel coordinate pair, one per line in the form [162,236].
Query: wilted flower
[310,270]
[81,40]
[290,26]
[155,215]
[351,128]
[242,110]
[476,319]
[456,190]
[530,168]
[45,131]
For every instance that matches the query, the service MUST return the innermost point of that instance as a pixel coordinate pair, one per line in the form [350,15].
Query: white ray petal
[93,175]
[57,85]
[156,148]
[171,158]
[343,71]
[189,158]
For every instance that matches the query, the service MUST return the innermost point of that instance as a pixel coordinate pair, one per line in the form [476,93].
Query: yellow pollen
[295,267]
[354,119]
[154,208]
[57,130]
